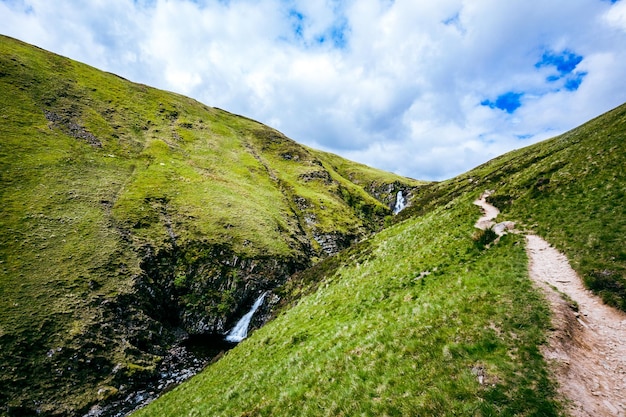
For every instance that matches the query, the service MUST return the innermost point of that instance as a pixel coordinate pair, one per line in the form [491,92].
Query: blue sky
[421,88]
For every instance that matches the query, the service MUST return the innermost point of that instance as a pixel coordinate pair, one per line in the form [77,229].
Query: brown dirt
[490,212]
[587,341]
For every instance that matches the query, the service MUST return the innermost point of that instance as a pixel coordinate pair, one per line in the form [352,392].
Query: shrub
[482,238]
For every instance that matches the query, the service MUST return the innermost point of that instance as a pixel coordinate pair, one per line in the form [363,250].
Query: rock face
[332,243]
[387,193]
[503,227]
[174,319]
[185,296]
[203,288]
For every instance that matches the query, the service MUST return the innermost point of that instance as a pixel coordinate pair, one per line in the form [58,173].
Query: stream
[182,362]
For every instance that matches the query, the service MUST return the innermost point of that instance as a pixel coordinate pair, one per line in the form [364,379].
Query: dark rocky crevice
[67,122]
[172,324]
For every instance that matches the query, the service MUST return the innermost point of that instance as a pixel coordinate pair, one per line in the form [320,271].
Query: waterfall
[400,203]
[240,331]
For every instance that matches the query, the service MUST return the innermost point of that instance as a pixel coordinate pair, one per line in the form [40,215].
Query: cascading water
[240,331]
[400,203]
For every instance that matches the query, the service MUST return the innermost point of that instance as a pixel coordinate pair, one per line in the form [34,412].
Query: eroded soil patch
[587,342]
[587,347]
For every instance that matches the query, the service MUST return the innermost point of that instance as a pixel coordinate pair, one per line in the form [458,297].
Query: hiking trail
[587,340]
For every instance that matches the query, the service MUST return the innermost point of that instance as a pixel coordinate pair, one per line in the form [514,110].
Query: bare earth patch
[587,347]
[490,212]
[587,344]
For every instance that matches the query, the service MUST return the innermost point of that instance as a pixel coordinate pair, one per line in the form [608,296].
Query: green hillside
[571,190]
[133,217]
[403,328]
[422,319]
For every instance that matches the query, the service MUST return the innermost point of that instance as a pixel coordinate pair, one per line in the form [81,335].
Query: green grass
[121,202]
[111,190]
[575,196]
[404,331]
[570,189]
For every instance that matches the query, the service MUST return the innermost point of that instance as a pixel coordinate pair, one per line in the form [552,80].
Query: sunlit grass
[408,331]
[419,320]
[96,172]
[570,189]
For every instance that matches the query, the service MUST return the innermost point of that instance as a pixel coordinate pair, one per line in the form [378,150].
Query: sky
[425,89]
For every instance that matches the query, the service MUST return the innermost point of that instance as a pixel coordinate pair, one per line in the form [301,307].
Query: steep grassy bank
[133,216]
[411,321]
[425,324]
[570,189]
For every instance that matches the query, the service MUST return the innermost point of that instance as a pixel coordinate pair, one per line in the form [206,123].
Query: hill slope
[423,318]
[421,322]
[133,217]
[570,189]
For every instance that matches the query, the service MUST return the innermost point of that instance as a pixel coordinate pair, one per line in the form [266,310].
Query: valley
[139,227]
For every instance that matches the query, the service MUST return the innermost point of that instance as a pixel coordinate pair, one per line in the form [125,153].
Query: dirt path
[587,346]
[490,212]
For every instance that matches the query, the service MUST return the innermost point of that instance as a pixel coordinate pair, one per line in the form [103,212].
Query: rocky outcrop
[386,193]
[204,288]
[172,323]
[319,175]
[331,243]
[67,124]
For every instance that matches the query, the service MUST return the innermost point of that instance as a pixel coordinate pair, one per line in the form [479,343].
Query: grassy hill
[405,327]
[132,217]
[421,319]
[571,190]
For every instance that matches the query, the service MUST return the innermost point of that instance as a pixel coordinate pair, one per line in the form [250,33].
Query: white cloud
[395,84]
[616,16]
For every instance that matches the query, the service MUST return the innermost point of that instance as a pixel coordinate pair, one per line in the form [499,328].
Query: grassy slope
[380,337]
[570,189]
[95,168]
[576,198]
[383,337]
[373,339]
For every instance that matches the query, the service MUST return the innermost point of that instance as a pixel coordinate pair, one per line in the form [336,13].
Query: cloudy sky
[426,89]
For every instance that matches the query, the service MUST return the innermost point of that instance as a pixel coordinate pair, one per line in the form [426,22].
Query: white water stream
[240,331]
[400,203]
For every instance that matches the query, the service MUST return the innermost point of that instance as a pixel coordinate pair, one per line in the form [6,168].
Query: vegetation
[570,189]
[131,214]
[406,323]
[430,308]
[483,238]
[424,324]
[128,212]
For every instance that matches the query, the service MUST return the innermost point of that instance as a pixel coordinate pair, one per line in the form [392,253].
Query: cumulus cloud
[424,89]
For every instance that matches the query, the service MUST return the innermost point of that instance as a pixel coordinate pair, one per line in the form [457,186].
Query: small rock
[611,407]
[503,227]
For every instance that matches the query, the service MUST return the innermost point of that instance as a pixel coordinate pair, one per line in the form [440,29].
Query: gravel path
[587,341]
[490,212]
[587,347]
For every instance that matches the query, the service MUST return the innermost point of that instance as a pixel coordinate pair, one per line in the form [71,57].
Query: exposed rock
[386,193]
[72,128]
[301,203]
[186,297]
[320,175]
[332,243]
[204,288]
[503,227]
